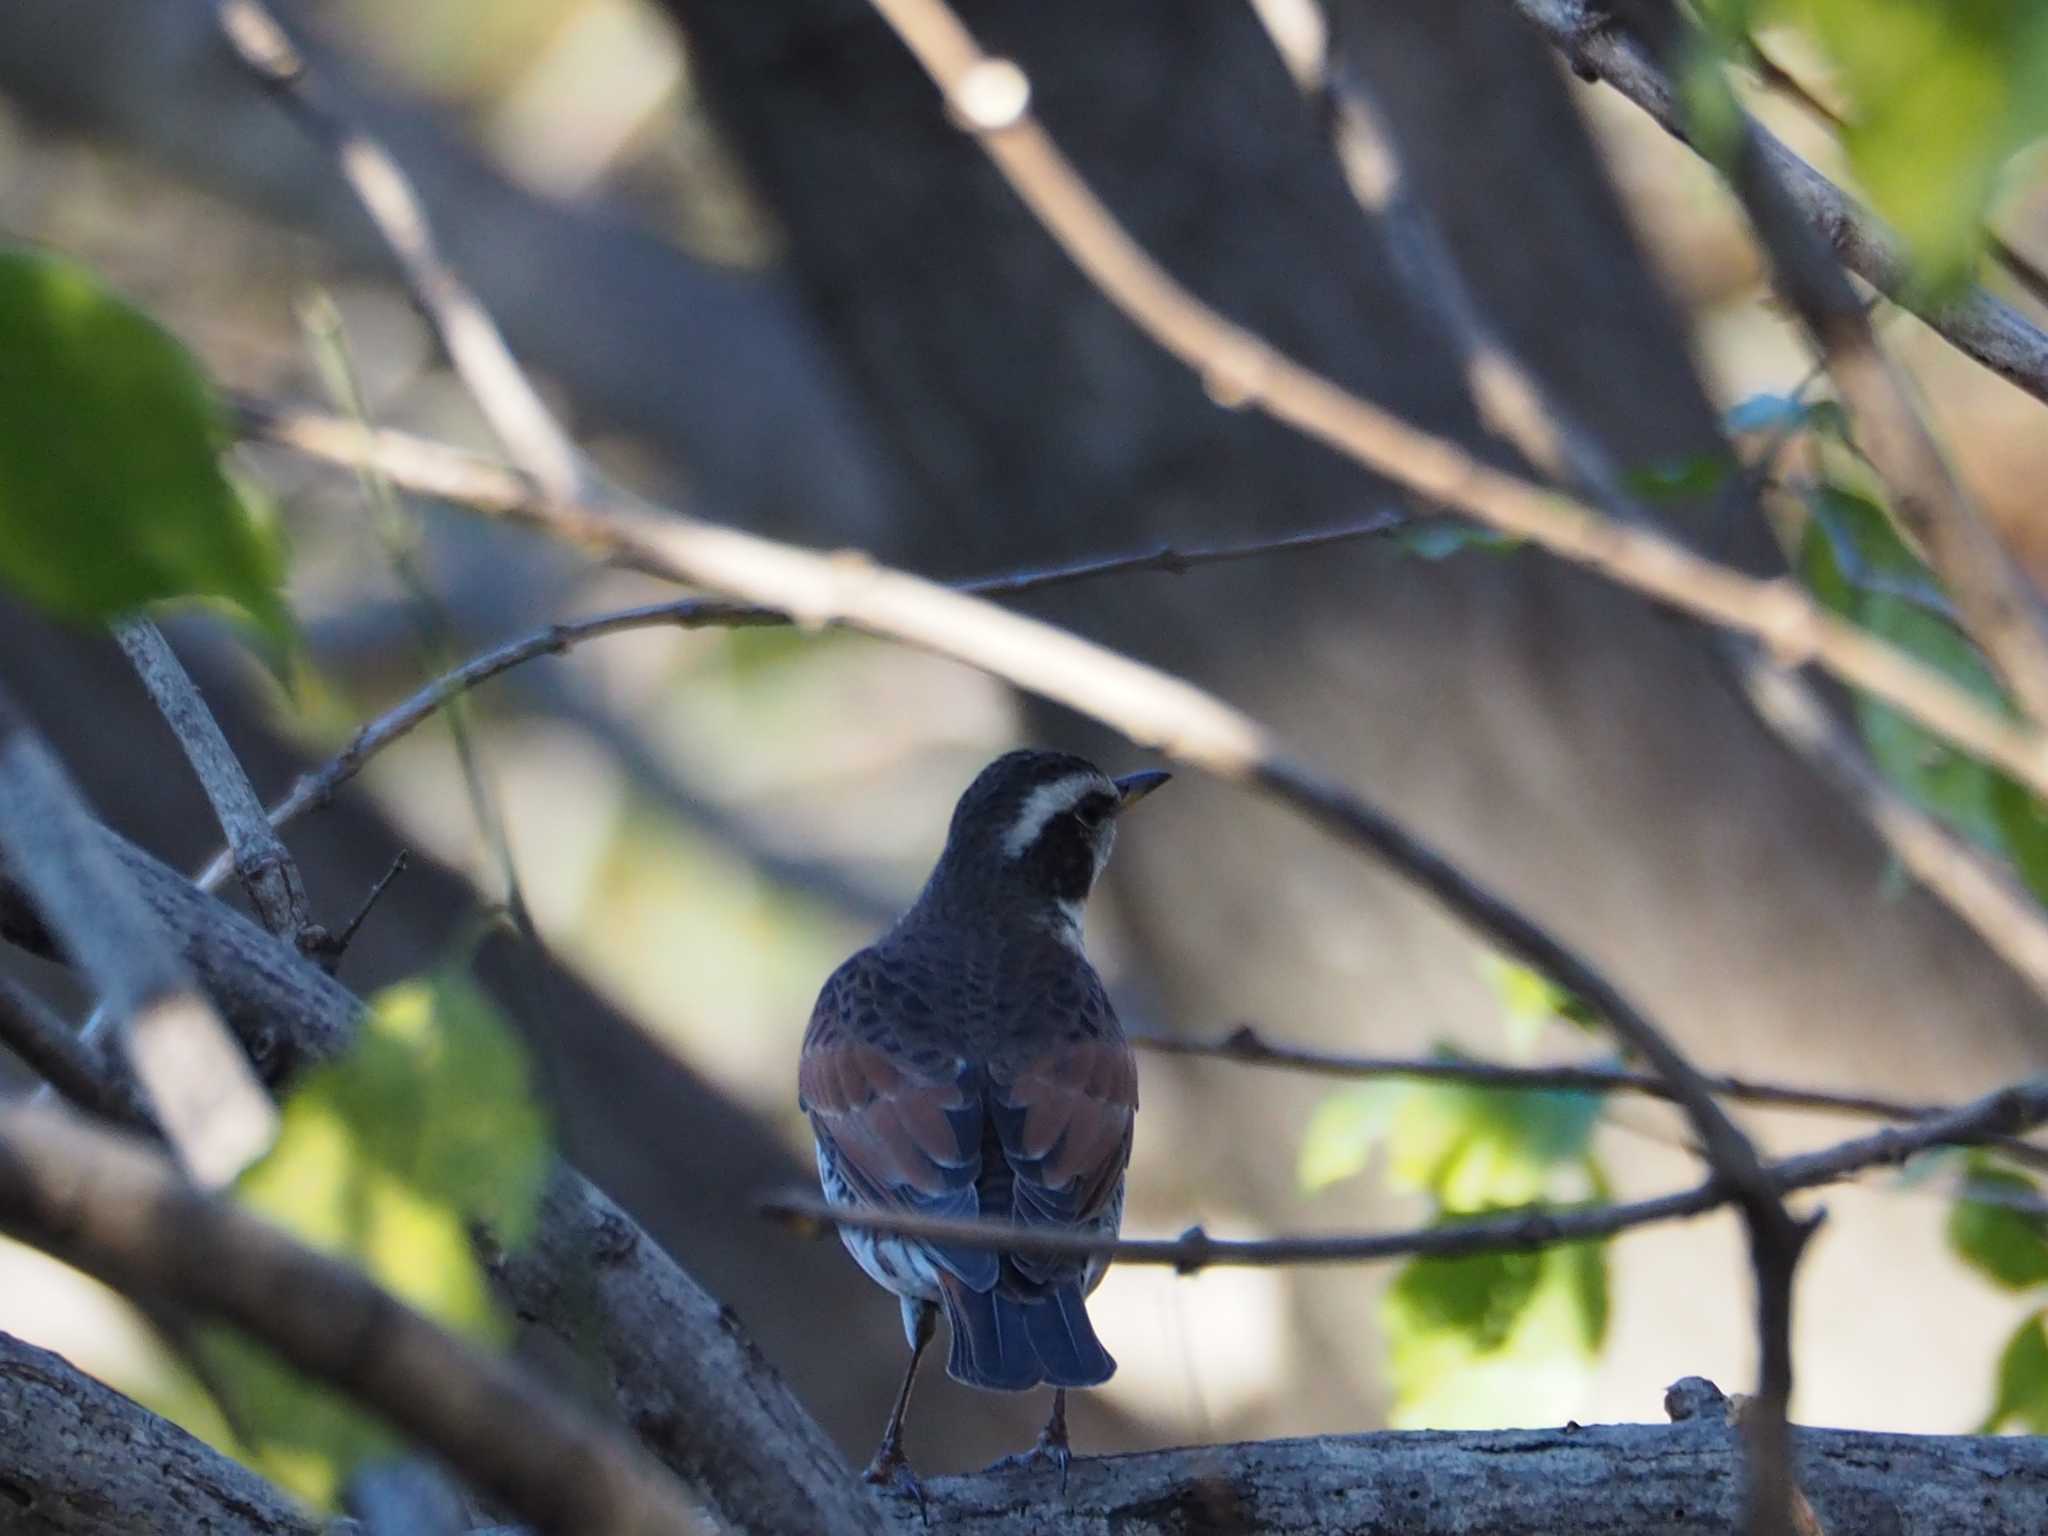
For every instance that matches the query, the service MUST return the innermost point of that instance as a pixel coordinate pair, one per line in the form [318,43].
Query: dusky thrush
[968,1064]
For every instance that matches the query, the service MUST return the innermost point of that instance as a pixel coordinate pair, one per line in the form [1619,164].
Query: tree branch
[1248,1045]
[1604,1480]
[2009,1111]
[120,1213]
[48,1046]
[510,403]
[82,1460]
[682,1373]
[1997,606]
[1977,324]
[205,1095]
[260,858]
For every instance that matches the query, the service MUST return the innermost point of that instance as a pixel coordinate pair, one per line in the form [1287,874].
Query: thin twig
[466,481]
[1775,611]
[1248,1045]
[1510,399]
[2003,913]
[31,1029]
[513,407]
[1976,323]
[266,868]
[2009,1111]
[990,98]
[1999,609]
[201,1086]
[119,1212]
[336,947]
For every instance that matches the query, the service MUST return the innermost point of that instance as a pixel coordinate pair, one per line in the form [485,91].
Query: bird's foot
[891,1470]
[1052,1448]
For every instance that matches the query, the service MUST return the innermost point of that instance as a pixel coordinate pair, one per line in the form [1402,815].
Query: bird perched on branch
[968,1065]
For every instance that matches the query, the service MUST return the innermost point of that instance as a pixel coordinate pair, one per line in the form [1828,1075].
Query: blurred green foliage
[1941,95]
[2022,1400]
[388,1157]
[111,488]
[1471,1338]
[1997,1226]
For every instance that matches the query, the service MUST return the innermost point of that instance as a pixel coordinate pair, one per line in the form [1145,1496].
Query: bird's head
[1035,829]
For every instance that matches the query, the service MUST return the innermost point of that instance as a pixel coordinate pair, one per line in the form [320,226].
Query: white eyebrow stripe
[1044,803]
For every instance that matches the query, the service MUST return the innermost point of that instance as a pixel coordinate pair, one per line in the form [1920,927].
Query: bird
[968,1064]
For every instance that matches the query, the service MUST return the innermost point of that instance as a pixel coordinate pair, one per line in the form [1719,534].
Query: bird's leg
[890,1465]
[1052,1440]
[1052,1443]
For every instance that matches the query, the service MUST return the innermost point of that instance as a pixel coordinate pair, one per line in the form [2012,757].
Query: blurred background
[765,281]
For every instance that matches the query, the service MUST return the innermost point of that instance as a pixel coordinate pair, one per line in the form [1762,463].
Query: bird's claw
[1050,1448]
[891,1470]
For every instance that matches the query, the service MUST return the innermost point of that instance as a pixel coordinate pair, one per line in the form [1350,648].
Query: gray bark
[1607,1480]
[674,1364]
[82,1458]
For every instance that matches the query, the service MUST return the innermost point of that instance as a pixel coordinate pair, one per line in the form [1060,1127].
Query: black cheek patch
[1062,861]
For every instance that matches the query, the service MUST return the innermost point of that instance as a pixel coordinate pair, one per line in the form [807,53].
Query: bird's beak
[1133,787]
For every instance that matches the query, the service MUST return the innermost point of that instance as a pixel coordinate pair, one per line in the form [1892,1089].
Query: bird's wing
[903,1129]
[1063,1116]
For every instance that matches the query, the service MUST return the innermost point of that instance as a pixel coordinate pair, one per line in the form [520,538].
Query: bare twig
[990,98]
[1998,608]
[2002,912]
[1777,612]
[2009,1111]
[1248,1045]
[1509,398]
[266,868]
[204,1093]
[33,1031]
[510,403]
[331,952]
[2023,268]
[678,1367]
[1978,324]
[120,1213]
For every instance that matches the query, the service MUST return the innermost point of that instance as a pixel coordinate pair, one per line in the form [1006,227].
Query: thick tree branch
[84,1461]
[2009,1111]
[1977,324]
[260,858]
[682,1373]
[121,1213]
[205,1096]
[1605,1480]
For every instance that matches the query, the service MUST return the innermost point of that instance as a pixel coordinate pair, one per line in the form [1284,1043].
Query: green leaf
[1479,1148]
[2023,828]
[1855,562]
[1492,1338]
[1343,1130]
[1440,537]
[1942,93]
[1531,1000]
[1678,479]
[389,1157]
[1992,1235]
[2022,1400]
[111,489]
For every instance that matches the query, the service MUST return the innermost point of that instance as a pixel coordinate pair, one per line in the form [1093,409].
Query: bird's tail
[1009,1344]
